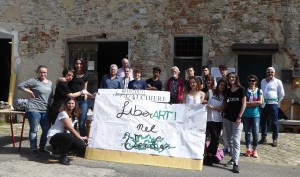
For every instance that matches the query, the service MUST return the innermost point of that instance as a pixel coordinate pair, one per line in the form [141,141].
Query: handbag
[20,104]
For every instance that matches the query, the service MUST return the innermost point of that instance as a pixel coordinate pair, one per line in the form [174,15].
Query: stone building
[248,35]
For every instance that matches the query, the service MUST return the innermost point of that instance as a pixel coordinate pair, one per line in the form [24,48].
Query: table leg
[12,130]
[21,138]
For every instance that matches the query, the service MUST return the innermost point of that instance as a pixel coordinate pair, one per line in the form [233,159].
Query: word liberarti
[134,111]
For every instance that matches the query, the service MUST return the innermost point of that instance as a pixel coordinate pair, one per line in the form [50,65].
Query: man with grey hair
[112,81]
[273,92]
[175,86]
[121,71]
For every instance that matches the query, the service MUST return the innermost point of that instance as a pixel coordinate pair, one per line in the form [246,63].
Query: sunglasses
[251,80]
[270,72]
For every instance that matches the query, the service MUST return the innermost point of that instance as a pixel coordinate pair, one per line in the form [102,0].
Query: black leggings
[214,129]
[66,142]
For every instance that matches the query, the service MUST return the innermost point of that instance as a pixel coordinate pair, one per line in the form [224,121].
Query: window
[188,52]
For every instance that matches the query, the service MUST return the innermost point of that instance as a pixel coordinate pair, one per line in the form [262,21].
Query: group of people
[57,114]
[126,78]
[230,107]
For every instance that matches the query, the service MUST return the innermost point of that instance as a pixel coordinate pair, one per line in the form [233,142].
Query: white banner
[150,95]
[146,127]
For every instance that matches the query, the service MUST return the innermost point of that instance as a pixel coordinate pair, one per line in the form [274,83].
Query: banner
[122,124]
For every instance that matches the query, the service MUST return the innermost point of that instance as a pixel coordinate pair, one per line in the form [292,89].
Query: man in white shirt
[125,64]
[273,92]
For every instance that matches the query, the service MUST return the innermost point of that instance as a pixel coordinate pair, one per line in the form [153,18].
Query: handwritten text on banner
[146,127]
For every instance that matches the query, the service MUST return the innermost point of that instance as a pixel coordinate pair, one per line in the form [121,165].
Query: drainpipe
[285,24]
[12,83]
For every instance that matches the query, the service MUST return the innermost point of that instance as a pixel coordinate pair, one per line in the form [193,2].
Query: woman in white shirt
[215,105]
[193,93]
[62,134]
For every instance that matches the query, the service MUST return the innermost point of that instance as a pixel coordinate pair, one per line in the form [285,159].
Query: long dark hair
[83,69]
[75,113]
[211,78]
[216,91]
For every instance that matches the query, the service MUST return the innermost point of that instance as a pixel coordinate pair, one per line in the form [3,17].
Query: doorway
[5,67]
[98,58]
[253,64]
[110,53]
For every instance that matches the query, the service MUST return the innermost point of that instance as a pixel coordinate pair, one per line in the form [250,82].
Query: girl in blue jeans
[251,115]
[40,91]
[80,82]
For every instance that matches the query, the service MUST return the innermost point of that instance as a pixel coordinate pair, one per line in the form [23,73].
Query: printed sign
[123,124]
[155,96]
[216,72]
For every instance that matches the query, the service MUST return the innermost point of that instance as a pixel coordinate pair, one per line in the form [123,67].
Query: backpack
[218,156]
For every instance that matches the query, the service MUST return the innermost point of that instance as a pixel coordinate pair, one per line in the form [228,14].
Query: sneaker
[43,150]
[230,163]
[254,154]
[35,153]
[248,153]
[235,168]
[209,161]
[262,141]
[64,160]
[274,143]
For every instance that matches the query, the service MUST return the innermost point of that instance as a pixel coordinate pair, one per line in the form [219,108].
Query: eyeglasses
[270,72]
[251,80]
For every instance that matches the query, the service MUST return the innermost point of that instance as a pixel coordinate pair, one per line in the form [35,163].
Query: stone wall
[42,28]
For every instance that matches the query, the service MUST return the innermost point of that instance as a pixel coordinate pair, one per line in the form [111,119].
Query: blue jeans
[35,119]
[251,125]
[272,110]
[84,107]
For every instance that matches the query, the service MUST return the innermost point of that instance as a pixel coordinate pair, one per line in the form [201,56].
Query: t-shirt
[252,112]
[77,83]
[42,92]
[61,92]
[234,103]
[58,126]
[157,83]
[137,84]
[214,115]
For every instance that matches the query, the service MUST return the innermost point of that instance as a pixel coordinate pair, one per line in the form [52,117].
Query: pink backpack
[219,155]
